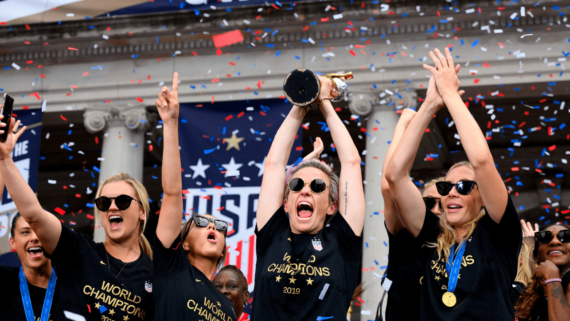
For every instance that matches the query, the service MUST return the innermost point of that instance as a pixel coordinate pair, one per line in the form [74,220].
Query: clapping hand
[318,149]
[444,74]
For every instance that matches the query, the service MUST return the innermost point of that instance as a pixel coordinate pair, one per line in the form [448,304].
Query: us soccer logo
[317,245]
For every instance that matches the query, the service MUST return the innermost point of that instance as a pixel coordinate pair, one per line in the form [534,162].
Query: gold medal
[449,299]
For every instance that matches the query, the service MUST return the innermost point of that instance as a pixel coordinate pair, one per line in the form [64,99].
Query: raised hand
[318,149]
[527,228]
[7,147]
[433,97]
[167,102]
[326,88]
[444,74]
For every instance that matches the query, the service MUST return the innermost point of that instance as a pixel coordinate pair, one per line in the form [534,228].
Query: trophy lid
[302,87]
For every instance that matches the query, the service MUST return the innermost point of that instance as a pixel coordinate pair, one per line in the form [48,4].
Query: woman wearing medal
[470,255]
[98,281]
[30,292]
[308,256]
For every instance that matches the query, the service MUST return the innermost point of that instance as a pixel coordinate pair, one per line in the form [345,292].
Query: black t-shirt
[540,308]
[319,282]
[89,287]
[404,276]
[184,293]
[487,271]
[516,291]
[11,306]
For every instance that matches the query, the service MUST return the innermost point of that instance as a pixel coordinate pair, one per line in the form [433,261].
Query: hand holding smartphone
[7,107]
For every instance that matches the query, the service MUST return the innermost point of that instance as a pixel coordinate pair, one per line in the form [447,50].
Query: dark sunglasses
[545,237]
[203,221]
[122,201]
[317,185]
[430,202]
[462,187]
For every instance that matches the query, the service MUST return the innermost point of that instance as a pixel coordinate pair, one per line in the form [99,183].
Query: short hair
[333,178]
[235,269]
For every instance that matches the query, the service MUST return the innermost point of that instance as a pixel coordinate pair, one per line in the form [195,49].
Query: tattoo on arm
[558,293]
[345,198]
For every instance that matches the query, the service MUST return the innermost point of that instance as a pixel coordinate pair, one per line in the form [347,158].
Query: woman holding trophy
[309,239]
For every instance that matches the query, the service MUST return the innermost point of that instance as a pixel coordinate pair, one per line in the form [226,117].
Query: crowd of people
[458,250]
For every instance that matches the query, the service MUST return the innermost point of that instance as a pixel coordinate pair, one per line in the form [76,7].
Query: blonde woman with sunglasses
[185,262]
[309,227]
[470,255]
[99,281]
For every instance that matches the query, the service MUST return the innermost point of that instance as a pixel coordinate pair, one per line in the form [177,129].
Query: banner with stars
[223,149]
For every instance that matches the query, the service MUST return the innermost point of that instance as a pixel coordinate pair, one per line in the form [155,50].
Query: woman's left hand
[547,270]
[326,88]
[444,72]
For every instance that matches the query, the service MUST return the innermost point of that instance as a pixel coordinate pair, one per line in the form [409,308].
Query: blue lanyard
[453,270]
[28,302]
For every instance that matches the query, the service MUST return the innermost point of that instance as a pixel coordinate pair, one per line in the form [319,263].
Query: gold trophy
[302,87]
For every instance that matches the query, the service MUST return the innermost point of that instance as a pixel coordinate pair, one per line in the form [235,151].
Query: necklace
[109,265]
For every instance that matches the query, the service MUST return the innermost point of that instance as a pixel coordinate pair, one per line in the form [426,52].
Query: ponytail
[145,245]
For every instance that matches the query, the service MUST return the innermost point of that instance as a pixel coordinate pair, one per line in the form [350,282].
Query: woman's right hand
[318,148]
[528,231]
[7,147]
[444,72]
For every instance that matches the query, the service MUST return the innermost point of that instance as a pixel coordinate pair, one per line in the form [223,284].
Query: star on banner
[199,169]
[261,167]
[232,169]
[233,142]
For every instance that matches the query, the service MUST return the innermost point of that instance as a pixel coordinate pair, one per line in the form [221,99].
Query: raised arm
[393,221]
[490,184]
[408,199]
[351,203]
[170,216]
[272,191]
[46,226]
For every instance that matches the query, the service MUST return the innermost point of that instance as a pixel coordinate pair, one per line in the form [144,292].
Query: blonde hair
[526,270]
[141,195]
[432,182]
[448,233]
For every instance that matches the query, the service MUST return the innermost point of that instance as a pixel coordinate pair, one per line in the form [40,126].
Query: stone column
[379,110]
[124,126]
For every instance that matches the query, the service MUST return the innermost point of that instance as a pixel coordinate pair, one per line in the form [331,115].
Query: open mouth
[452,208]
[304,210]
[212,237]
[555,253]
[35,251]
[115,221]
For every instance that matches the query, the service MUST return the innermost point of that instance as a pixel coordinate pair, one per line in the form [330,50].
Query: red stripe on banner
[228,38]
[227,262]
[250,256]
[238,258]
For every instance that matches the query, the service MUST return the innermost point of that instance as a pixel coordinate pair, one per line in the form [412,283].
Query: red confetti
[60,115]
[229,117]
[219,52]
[325,19]
[299,148]
[240,114]
[551,148]
[85,74]
[140,100]
[59,211]
[35,95]
[352,53]
[27,27]
[476,81]
[25,107]
[215,79]
[227,39]
[71,48]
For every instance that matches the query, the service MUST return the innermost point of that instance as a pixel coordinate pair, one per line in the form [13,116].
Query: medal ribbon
[28,302]
[453,270]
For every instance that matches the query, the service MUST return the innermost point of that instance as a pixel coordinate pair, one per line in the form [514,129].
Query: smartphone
[7,106]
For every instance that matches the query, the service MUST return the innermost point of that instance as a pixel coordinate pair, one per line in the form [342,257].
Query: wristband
[552,280]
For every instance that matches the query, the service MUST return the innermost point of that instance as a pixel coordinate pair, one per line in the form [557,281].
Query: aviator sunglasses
[462,187]
[203,221]
[317,185]
[545,237]
[122,201]
[430,202]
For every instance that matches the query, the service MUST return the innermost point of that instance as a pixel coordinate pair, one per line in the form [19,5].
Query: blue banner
[223,149]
